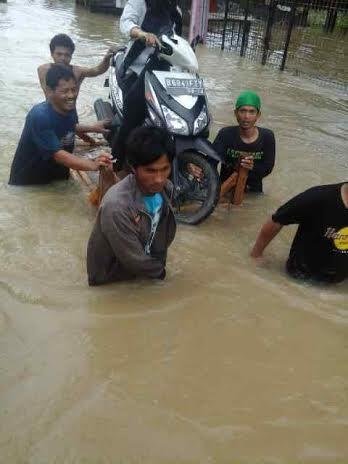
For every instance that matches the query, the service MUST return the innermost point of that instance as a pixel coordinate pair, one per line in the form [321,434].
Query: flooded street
[224,362]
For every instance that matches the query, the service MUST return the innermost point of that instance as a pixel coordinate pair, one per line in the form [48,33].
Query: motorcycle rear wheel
[195,199]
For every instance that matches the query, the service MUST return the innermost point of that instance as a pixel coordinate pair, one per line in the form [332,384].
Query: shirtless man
[62,49]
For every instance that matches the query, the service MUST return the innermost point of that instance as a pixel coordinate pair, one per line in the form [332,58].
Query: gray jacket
[116,247]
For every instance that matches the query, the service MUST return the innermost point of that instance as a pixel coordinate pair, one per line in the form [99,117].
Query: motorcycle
[175,101]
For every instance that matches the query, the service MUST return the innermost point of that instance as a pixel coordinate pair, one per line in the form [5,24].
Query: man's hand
[112,50]
[104,159]
[195,171]
[247,162]
[150,39]
[267,233]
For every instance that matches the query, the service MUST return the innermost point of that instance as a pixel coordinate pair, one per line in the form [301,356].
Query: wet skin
[62,55]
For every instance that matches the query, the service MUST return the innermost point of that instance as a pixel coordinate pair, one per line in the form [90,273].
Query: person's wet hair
[62,40]
[145,145]
[56,73]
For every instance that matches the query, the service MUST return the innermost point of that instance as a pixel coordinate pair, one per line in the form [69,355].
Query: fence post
[268,33]
[246,29]
[331,16]
[225,24]
[288,36]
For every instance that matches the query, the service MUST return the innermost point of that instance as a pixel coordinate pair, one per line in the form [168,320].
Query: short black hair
[145,145]
[62,40]
[56,73]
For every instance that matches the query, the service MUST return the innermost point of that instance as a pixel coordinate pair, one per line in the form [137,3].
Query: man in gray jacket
[135,223]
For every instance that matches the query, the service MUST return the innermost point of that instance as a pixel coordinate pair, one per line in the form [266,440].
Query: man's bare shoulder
[44,67]
[78,72]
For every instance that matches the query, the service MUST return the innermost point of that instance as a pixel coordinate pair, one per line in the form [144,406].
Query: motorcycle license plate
[181,86]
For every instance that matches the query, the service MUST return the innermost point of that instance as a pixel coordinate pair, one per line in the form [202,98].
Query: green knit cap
[248,98]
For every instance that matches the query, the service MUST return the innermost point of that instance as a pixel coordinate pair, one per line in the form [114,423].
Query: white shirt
[133,16]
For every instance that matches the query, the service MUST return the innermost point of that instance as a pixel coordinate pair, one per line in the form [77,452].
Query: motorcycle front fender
[197,144]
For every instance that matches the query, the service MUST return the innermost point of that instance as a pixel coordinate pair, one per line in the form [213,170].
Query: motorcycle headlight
[175,123]
[201,121]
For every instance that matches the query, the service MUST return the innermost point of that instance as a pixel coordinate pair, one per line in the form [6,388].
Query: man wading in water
[254,146]
[44,152]
[135,223]
[320,247]
[62,49]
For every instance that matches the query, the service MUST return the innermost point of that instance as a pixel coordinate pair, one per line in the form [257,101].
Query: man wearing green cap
[253,145]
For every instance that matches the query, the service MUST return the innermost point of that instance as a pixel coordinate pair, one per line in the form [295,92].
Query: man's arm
[265,166]
[79,164]
[101,68]
[132,16]
[98,127]
[267,233]
[302,207]
[122,232]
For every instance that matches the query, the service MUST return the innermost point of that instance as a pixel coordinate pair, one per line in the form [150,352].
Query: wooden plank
[82,178]
[228,184]
[240,187]
[106,179]
[236,183]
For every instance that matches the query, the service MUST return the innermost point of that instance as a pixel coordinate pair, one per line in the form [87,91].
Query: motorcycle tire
[195,199]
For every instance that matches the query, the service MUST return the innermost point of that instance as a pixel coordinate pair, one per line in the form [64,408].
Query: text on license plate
[181,86]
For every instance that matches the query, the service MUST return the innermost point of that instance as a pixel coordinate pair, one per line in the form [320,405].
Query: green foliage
[317,19]
[342,20]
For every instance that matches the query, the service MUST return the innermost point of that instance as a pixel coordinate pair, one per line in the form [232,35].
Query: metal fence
[304,36]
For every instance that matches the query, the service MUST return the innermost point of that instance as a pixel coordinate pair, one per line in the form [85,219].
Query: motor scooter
[176,102]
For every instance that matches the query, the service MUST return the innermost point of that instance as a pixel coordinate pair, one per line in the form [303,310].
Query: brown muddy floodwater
[225,361]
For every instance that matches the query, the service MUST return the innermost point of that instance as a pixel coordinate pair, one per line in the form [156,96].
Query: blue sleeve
[43,135]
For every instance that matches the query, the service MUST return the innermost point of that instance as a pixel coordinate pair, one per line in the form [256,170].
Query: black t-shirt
[45,132]
[229,146]
[320,246]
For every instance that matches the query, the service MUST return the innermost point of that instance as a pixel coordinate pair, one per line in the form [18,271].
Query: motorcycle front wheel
[197,188]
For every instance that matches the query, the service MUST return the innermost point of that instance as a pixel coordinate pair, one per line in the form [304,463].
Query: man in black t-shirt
[255,146]
[320,247]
